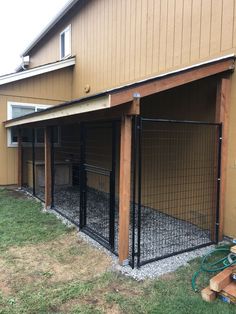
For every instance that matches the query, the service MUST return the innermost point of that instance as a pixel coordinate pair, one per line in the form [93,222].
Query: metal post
[134,165]
[33,159]
[52,167]
[218,184]
[82,177]
[112,189]
[139,187]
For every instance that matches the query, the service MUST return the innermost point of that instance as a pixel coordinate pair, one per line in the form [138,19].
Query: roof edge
[13,77]
[51,24]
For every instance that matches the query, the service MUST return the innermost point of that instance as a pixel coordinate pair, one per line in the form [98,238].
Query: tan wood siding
[122,41]
[49,89]
[52,86]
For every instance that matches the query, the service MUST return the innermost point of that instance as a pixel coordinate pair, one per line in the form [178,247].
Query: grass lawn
[46,268]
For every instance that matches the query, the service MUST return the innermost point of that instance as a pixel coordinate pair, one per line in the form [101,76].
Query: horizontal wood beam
[166,82]
[129,109]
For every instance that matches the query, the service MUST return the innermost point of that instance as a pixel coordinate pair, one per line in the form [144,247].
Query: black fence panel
[65,170]
[175,207]
[33,161]
[39,163]
[28,160]
[99,205]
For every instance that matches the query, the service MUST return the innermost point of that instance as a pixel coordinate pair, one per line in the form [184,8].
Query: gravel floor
[154,269]
[160,234]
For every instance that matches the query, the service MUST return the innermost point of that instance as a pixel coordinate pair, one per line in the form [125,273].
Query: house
[122,117]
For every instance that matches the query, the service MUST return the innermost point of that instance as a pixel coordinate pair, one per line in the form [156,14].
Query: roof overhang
[14,77]
[57,112]
[125,94]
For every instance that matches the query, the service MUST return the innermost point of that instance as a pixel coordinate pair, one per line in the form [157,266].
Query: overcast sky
[20,22]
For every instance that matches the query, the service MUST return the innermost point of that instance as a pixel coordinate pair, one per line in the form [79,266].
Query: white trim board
[57,112]
[9,78]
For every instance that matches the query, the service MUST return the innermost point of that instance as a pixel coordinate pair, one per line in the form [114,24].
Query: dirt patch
[59,261]
[168,276]
[4,278]
[13,192]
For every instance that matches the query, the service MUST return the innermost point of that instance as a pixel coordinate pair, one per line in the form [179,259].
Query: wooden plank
[231,289]
[222,116]
[48,167]
[221,280]
[20,160]
[132,108]
[170,81]
[208,295]
[233,249]
[124,189]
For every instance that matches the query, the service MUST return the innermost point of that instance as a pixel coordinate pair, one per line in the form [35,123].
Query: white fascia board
[6,79]
[58,112]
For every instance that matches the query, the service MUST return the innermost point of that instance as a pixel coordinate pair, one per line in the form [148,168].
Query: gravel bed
[160,234]
[151,270]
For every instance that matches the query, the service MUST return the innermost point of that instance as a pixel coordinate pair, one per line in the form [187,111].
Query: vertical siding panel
[196,29]
[234,28]
[144,22]
[156,35]
[149,53]
[82,69]
[170,33]
[178,32]
[227,24]
[163,34]
[132,40]
[122,34]
[114,43]
[216,21]
[186,41]
[110,43]
[138,39]
[118,44]
[127,13]
[106,43]
[205,29]
[101,43]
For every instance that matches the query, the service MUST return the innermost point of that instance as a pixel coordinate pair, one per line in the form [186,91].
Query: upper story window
[16,110]
[65,42]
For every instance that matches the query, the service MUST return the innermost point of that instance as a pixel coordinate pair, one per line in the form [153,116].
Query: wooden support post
[20,160]
[48,167]
[222,116]
[124,188]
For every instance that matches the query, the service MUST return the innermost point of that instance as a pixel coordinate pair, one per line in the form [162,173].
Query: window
[65,43]
[16,110]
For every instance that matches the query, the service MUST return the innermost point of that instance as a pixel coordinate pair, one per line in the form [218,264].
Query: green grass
[22,223]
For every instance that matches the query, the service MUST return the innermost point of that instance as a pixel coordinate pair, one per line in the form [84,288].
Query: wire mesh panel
[98,212]
[66,159]
[39,163]
[99,205]
[176,203]
[28,160]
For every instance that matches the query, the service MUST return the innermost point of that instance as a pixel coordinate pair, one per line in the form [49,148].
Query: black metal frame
[137,191]
[111,174]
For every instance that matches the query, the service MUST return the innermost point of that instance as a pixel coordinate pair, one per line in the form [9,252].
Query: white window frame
[10,105]
[67,29]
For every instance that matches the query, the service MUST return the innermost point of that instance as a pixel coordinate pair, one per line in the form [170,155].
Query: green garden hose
[216,266]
